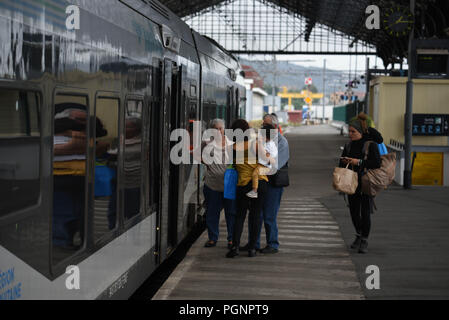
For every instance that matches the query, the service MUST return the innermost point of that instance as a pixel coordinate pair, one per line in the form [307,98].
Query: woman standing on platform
[360,205]
[244,185]
[214,185]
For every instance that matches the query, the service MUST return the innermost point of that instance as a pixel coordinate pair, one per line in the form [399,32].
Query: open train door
[172,175]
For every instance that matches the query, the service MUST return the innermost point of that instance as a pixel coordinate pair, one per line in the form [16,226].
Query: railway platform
[313,261]
[409,242]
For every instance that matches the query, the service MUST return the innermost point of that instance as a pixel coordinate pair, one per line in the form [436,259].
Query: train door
[174,190]
[237,111]
[230,107]
[172,175]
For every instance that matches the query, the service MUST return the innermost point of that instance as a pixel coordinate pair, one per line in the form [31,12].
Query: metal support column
[367,81]
[409,111]
[273,91]
[324,91]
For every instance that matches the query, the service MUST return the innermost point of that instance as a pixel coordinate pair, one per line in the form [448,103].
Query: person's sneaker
[210,244]
[232,253]
[252,194]
[356,243]
[363,246]
[268,250]
[252,253]
[229,245]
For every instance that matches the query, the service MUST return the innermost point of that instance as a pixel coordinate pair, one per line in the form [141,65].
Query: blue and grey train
[90,91]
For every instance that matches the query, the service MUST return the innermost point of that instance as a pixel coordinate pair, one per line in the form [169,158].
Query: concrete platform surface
[409,242]
[313,263]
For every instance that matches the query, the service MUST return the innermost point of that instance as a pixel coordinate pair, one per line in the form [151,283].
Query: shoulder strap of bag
[365,150]
[348,147]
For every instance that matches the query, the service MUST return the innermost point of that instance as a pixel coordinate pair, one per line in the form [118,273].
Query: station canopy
[343,17]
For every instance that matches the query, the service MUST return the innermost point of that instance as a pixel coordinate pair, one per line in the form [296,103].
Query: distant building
[341,97]
[273,103]
[251,73]
[258,102]
[316,112]
[255,103]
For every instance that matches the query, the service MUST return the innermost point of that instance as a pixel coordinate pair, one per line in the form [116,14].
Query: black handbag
[280,179]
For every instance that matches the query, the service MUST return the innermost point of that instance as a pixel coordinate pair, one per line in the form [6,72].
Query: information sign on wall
[430,124]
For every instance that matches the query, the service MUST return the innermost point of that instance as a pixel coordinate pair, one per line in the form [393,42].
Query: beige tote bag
[345,180]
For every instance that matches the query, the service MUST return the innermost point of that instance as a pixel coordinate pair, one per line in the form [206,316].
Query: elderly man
[214,186]
[274,194]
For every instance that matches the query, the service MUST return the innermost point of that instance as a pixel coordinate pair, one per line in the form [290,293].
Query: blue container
[103,181]
[230,183]
[382,149]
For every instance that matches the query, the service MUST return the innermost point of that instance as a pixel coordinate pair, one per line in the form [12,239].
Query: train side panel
[47,65]
[86,119]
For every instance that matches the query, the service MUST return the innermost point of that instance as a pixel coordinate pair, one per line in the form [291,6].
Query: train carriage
[85,122]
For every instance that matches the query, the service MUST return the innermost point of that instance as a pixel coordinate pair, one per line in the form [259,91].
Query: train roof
[211,48]
[161,15]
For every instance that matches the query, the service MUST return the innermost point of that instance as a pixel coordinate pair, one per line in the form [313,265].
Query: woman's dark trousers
[360,208]
[254,205]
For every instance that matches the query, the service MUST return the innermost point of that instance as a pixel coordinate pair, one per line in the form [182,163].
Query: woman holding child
[250,194]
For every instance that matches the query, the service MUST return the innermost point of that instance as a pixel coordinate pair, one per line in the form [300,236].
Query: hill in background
[292,76]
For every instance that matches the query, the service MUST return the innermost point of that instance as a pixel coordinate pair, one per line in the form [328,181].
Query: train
[90,90]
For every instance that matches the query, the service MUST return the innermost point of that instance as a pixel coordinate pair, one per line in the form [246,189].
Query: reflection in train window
[133,157]
[106,151]
[221,113]
[69,174]
[210,112]
[19,150]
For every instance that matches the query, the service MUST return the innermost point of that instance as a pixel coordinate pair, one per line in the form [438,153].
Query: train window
[106,164]
[210,112]
[19,150]
[133,157]
[221,113]
[69,174]
[193,91]
[242,107]
[237,104]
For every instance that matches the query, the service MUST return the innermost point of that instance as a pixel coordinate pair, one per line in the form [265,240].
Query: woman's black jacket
[354,149]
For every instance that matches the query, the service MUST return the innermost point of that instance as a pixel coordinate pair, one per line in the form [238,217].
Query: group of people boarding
[260,185]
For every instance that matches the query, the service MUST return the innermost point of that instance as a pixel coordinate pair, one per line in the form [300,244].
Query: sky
[334,62]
